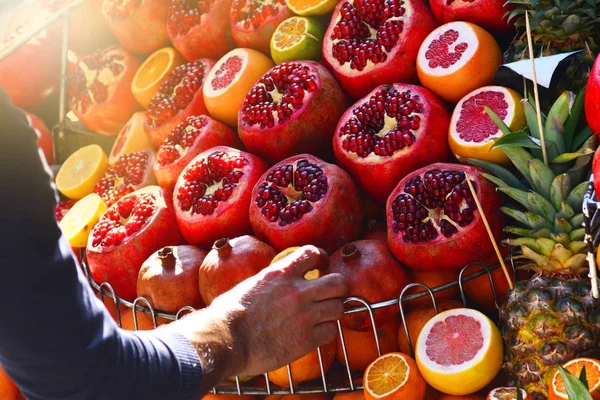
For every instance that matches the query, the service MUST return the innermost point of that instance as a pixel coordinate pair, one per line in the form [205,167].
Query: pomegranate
[133,171]
[253,22]
[433,222]
[489,14]
[100,89]
[230,262]
[169,278]
[127,234]
[188,139]
[140,25]
[62,209]
[213,193]
[292,109]
[200,28]
[372,42]
[304,200]
[378,231]
[178,97]
[45,141]
[390,133]
[592,101]
[363,264]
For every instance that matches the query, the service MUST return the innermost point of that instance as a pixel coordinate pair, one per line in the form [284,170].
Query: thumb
[303,260]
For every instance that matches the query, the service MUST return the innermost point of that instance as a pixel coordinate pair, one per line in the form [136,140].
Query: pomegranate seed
[473,107]
[185,14]
[180,139]
[439,54]
[121,9]
[129,171]
[253,13]
[226,73]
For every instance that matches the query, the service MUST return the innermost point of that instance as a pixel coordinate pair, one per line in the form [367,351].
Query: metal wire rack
[591,223]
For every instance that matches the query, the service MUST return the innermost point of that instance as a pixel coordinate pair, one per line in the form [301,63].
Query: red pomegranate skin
[334,220]
[232,261]
[468,244]
[592,100]
[44,136]
[230,218]
[400,65]
[257,37]
[141,29]
[378,175]
[169,278]
[372,274]
[158,133]
[310,128]
[489,14]
[105,113]
[120,264]
[208,36]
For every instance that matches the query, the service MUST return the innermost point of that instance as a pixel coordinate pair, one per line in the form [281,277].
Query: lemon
[297,38]
[80,173]
[78,222]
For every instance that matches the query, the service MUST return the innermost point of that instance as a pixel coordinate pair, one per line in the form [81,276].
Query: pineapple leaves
[576,389]
[499,123]
[581,137]
[567,157]
[517,139]
[520,159]
[559,190]
[575,198]
[507,177]
[573,120]
[541,176]
[555,123]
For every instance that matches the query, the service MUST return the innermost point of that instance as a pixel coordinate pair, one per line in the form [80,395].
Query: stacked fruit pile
[368,128]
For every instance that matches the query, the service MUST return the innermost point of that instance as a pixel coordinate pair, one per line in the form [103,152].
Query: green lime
[297,38]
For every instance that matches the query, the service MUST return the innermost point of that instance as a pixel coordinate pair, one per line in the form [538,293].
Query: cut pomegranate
[178,97]
[293,108]
[45,141]
[304,200]
[372,42]
[253,22]
[213,193]
[127,234]
[433,222]
[200,28]
[100,89]
[188,139]
[489,14]
[140,25]
[62,209]
[390,133]
[133,171]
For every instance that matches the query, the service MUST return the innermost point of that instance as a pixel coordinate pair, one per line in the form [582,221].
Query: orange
[306,368]
[8,389]
[361,346]
[131,138]
[81,171]
[479,289]
[432,279]
[359,395]
[109,303]
[144,321]
[451,397]
[394,376]
[211,396]
[311,7]
[152,72]
[457,58]
[556,388]
[416,320]
[316,396]
[506,393]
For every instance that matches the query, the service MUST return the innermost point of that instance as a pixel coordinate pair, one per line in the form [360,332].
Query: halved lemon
[557,389]
[394,376]
[152,72]
[506,393]
[311,7]
[81,172]
[297,38]
[78,222]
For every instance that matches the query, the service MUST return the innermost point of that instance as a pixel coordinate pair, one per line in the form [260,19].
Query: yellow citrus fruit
[78,222]
[557,389]
[81,172]
[152,72]
[394,376]
[297,38]
[131,138]
[460,345]
[311,7]
[472,132]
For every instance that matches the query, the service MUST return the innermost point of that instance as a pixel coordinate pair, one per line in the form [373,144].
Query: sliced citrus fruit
[472,132]
[305,368]
[229,81]
[131,138]
[506,393]
[311,7]
[297,38]
[460,345]
[456,59]
[80,173]
[77,224]
[557,389]
[394,376]
[152,72]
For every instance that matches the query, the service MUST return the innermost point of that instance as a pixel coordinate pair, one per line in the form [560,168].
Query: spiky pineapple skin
[545,321]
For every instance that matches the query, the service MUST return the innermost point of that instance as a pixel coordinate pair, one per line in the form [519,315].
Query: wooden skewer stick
[535,88]
[489,231]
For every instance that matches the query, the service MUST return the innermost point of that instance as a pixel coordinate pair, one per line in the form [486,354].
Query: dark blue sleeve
[56,339]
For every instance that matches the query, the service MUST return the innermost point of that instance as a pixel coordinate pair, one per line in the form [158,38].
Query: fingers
[303,260]
[328,287]
[324,333]
[327,310]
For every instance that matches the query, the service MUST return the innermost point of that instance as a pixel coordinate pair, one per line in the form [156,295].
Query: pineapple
[558,26]
[551,318]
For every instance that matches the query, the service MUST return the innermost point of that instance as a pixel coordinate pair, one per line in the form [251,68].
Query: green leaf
[575,198]
[561,185]
[555,123]
[580,137]
[520,159]
[541,177]
[583,378]
[499,123]
[576,390]
[567,157]
[541,205]
[573,120]
[517,139]
[496,170]
[532,125]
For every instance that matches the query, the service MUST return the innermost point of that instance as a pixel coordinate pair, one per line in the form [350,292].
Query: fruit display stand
[591,222]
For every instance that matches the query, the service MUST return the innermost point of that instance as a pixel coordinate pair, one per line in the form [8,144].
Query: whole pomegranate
[253,22]
[45,141]
[592,101]
[213,193]
[179,96]
[489,14]
[100,89]
[127,234]
[372,42]
[131,172]
[230,262]
[200,28]
[390,133]
[372,274]
[304,200]
[169,278]
[140,25]
[433,222]
[191,137]
[292,109]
